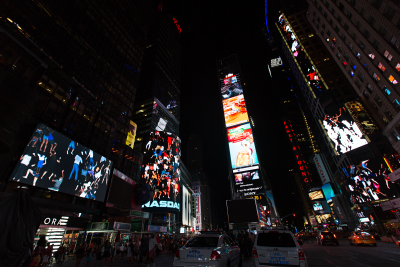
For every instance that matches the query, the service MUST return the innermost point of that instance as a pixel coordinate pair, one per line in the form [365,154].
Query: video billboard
[55,162]
[328,192]
[186,207]
[316,195]
[231,86]
[320,207]
[160,169]
[248,183]
[369,180]
[235,111]
[241,146]
[130,138]
[342,130]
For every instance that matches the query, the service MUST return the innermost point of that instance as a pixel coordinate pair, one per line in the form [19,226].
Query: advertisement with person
[248,183]
[320,207]
[231,86]
[130,138]
[235,111]
[241,146]
[341,129]
[55,162]
[369,180]
[160,169]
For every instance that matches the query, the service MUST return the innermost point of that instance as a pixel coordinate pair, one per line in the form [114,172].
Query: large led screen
[161,158]
[305,64]
[369,180]
[231,86]
[342,130]
[235,111]
[186,207]
[328,192]
[248,183]
[55,162]
[241,146]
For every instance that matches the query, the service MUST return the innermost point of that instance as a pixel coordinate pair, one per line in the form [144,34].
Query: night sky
[213,31]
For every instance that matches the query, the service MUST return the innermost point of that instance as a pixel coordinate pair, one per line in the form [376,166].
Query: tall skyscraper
[70,72]
[363,38]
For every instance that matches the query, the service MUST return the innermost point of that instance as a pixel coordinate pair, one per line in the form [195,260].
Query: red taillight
[215,256]
[334,235]
[372,236]
[301,255]
[322,237]
[255,254]
[177,254]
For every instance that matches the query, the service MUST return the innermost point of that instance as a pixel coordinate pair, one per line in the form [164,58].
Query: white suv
[275,246]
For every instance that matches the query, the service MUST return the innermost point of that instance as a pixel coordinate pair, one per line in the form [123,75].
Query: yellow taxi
[360,237]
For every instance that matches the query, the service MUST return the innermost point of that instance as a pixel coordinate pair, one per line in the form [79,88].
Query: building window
[362,45]
[390,12]
[361,77]
[354,36]
[376,78]
[385,120]
[376,44]
[366,66]
[392,79]
[375,107]
[387,91]
[340,48]
[358,83]
[337,54]
[346,56]
[382,30]
[383,69]
[394,41]
[328,33]
[366,94]
[396,135]
[351,73]
[371,56]
[396,104]
[389,114]
[346,27]
[318,19]
[343,37]
[323,25]
[398,67]
[378,101]
[358,25]
[349,15]
[339,19]
[344,63]
[387,55]
[366,33]
[371,20]
[313,20]
[377,4]
[358,55]
[370,88]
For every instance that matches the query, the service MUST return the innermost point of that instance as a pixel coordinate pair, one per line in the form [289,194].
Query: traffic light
[268,212]
[294,214]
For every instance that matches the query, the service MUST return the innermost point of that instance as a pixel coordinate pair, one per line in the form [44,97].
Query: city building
[363,38]
[71,70]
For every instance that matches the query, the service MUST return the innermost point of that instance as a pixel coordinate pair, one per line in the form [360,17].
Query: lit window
[371,56]
[327,39]
[351,73]
[366,66]
[334,39]
[387,55]
[398,67]
[381,67]
[392,79]
[396,135]
[358,55]
[370,87]
[396,103]
[310,35]
[354,67]
[376,77]
[387,91]
[345,63]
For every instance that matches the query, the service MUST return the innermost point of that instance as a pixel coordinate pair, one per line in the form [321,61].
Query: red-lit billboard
[235,111]
[241,146]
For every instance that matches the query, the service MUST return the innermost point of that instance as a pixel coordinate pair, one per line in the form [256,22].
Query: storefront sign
[122,226]
[137,213]
[321,169]
[156,228]
[55,220]
[99,226]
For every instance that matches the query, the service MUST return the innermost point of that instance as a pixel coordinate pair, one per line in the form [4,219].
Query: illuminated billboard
[231,86]
[235,111]
[316,195]
[342,130]
[130,138]
[161,170]
[368,181]
[248,183]
[361,117]
[186,207]
[307,67]
[328,192]
[56,162]
[317,206]
[320,207]
[241,146]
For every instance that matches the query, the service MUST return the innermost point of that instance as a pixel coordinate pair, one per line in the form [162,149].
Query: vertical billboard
[369,180]
[160,169]
[328,192]
[130,138]
[248,183]
[231,86]
[55,162]
[321,169]
[241,146]
[235,111]
[186,207]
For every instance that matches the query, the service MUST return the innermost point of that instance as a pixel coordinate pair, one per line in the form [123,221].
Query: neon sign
[177,25]
[305,175]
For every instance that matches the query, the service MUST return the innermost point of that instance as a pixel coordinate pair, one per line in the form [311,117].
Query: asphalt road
[384,254]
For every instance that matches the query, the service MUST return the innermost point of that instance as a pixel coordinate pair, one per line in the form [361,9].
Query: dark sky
[212,31]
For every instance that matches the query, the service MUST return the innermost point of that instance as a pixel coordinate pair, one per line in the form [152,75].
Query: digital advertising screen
[231,86]
[316,195]
[130,138]
[307,67]
[186,207]
[160,169]
[320,207]
[248,183]
[369,180]
[235,111]
[328,192]
[342,130]
[317,206]
[55,162]
[241,146]
[324,218]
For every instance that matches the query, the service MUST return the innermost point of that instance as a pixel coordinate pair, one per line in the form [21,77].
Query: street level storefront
[99,232]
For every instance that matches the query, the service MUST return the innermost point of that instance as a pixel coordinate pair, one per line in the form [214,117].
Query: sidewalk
[163,260]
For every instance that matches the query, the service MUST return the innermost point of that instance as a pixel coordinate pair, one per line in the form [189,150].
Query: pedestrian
[106,253]
[152,246]
[47,255]
[35,257]
[88,257]
[60,255]
[129,253]
[116,252]
[80,253]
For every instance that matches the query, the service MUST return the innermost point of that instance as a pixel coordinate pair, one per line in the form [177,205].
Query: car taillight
[322,237]
[334,235]
[358,237]
[372,236]
[255,254]
[177,254]
[301,255]
[215,256]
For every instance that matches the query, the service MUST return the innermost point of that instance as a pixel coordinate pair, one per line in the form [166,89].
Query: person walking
[116,252]
[129,253]
[106,253]
[80,253]
[152,246]
[88,257]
